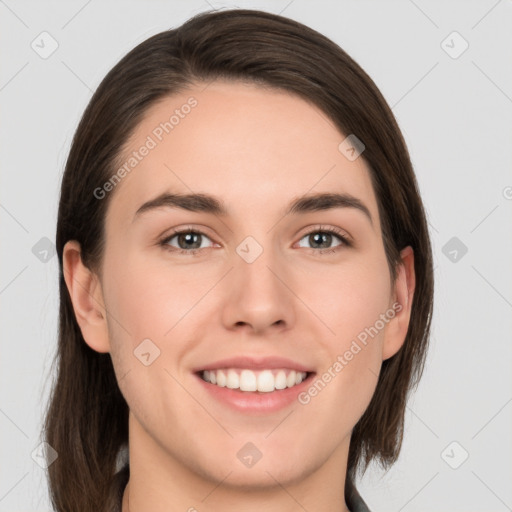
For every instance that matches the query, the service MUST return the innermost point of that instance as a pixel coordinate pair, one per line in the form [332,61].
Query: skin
[256,149]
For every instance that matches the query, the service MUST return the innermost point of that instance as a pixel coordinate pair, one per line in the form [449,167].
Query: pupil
[188,238]
[321,236]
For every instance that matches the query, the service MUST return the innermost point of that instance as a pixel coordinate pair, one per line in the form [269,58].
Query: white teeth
[221,378]
[264,381]
[280,381]
[248,381]
[232,380]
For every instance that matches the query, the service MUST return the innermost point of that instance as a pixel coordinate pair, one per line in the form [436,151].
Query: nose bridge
[256,264]
[259,296]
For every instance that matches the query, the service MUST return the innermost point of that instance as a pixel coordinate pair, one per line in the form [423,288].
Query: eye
[189,238]
[324,237]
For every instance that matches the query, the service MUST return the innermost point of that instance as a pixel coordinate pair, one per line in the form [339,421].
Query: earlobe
[404,293]
[86,296]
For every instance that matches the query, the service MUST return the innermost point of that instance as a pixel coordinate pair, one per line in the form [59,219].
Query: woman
[212,356]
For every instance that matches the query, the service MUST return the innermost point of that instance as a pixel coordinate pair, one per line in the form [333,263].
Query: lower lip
[256,402]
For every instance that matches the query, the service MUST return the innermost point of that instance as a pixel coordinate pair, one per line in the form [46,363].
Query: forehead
[253,147]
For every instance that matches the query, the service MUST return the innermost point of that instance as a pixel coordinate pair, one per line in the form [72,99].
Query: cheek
[350,297]
[156,301]
[148,298]
[358,294]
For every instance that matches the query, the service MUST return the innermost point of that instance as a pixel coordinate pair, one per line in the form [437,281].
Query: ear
[405,283]
[87,297]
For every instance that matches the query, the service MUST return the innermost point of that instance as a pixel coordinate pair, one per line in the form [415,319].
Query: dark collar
[353,499]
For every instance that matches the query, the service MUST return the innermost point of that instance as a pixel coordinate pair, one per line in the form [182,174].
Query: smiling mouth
[263,381]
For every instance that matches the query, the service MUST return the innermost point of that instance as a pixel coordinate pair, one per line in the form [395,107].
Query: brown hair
[87,417]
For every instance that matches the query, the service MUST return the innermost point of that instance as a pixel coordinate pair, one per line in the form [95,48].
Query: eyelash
[194,252]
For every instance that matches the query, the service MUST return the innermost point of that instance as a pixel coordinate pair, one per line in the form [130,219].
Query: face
[259,296]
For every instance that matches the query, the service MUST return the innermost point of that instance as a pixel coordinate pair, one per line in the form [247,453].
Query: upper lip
[255,363]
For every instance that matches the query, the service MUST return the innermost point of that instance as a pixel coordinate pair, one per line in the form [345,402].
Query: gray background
[455,114]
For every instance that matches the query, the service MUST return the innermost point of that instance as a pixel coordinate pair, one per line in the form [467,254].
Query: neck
[161,482]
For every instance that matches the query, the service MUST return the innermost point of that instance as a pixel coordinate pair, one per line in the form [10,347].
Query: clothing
[352,497]
[120,480]
[354,501]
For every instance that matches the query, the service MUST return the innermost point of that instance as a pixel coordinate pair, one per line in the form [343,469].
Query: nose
[259,296]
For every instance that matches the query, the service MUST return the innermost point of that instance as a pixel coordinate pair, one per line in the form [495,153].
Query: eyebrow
[210,204]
